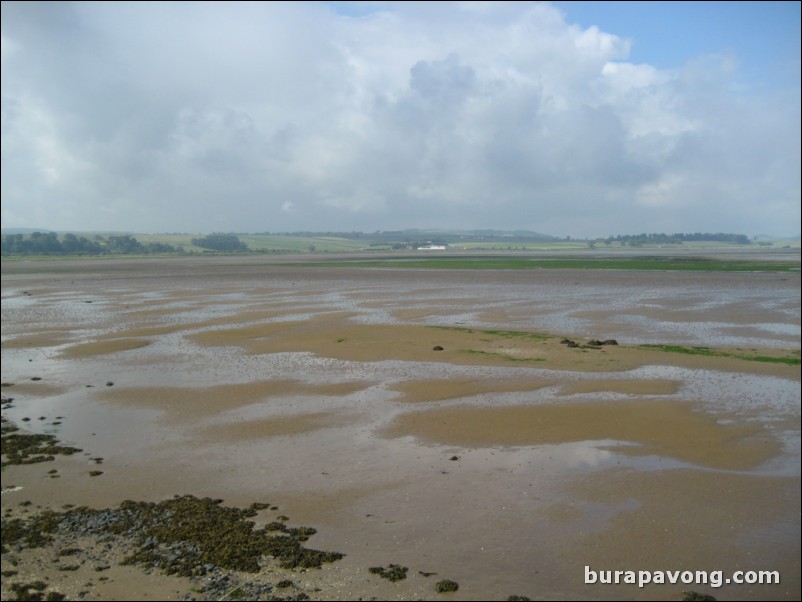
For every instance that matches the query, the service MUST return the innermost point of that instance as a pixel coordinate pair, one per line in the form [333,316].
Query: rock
[437,348]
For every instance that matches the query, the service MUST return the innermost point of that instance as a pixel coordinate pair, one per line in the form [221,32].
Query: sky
[582,119]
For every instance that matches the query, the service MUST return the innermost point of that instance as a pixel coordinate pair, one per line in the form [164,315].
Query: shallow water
[182,415]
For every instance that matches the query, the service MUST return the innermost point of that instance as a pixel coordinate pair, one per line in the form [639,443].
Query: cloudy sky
[567,118]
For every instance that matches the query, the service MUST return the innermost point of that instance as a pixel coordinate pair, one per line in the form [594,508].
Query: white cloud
[281,116]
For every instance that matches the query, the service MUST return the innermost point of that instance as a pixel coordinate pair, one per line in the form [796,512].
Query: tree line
[664,239]
[49,243]
[220,242]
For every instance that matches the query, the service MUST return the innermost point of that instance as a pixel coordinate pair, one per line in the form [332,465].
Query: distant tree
[79,245]
[124,244]
[39,243]
[47,243]
[13,244]
[160,247]
[677,239]
[220,242]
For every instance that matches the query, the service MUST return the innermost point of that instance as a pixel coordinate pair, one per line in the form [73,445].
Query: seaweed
[446,585]
[393,572]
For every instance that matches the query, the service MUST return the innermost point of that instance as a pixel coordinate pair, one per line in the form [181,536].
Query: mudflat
[507,430]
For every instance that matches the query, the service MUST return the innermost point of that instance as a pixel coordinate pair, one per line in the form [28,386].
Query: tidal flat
[429,420]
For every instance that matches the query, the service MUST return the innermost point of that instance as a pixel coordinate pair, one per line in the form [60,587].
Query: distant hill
[9,231]
[770,237]
[26,231]
[463,235]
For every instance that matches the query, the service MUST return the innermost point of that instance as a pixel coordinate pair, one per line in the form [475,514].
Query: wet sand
[506,461]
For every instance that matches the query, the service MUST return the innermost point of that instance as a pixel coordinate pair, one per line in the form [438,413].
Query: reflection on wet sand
[191,403]
[427,391]
[666,429]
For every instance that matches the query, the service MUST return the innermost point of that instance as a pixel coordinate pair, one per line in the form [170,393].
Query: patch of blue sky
[760,39]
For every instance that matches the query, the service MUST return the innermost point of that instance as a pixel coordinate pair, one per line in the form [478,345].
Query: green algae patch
[185,536]
[35,532]
[792,359]
[393,572]
[188,535]
[28,448]
[507,357]
[504,334]
[35,591]
[445,586]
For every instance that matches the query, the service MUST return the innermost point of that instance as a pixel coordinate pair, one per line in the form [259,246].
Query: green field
[790,360]
[493,250]
[457,242]
[584,263]
[266,243]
